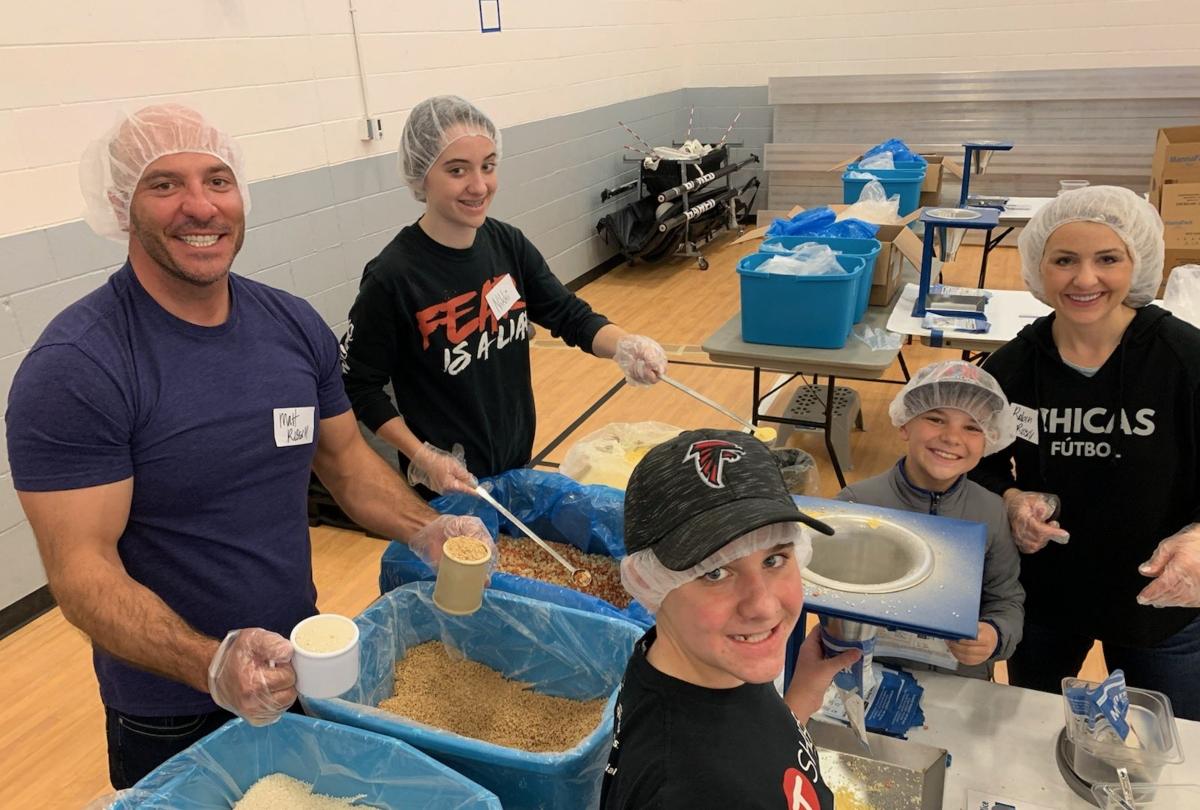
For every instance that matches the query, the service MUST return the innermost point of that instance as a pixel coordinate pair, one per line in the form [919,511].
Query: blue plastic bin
[336,759]
[588,516]
[867,248]
[905,182]
[560,651]
[811,311]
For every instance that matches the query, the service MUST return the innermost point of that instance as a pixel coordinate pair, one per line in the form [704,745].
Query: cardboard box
[1180,209]
[898,243]
[1176,159]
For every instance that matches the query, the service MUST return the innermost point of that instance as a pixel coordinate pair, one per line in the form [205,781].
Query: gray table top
[855,359]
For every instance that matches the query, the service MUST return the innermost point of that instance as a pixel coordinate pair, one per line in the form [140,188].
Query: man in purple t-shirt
[161,433]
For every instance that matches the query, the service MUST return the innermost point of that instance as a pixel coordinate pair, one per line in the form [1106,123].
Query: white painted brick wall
[282,76]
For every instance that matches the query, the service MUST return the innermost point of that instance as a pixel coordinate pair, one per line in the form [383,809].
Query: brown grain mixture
[466,549]
[440,689]
[520,555]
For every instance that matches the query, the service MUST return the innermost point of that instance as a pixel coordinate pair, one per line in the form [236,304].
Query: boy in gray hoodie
[952,414]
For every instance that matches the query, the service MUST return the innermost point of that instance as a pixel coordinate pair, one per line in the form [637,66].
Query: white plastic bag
[808,259]
[877,338]
[856,175]
[609,455]
[1183,293]
[874,206]
[882,160]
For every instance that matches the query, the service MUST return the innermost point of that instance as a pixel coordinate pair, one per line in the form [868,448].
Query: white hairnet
[964,387]
[1132,218]
[112,166]
[649,581]
[434,124]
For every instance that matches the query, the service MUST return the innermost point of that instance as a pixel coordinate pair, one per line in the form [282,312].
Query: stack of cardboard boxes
[1175,192]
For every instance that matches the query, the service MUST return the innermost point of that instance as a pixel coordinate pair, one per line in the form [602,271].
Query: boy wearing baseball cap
[715,549]
[952,414]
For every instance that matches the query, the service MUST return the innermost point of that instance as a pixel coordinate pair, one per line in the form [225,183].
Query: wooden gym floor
[52,747]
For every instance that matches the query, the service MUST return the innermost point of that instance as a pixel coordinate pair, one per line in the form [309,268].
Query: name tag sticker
[1027,422]
[502,297]
[294,426]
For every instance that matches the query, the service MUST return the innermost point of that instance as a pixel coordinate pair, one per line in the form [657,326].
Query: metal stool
[808,405]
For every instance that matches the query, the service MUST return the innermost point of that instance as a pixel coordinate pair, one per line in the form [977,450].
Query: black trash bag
[799,470]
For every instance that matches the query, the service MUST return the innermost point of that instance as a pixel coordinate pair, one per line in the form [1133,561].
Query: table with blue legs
[855,361]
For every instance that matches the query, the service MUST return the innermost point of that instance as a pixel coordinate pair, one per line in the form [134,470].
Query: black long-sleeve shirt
[460,373]
[1122,451]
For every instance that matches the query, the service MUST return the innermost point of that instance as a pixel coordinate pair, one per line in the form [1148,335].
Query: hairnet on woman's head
[434,124]
[647,580]
[964,387]
[112,165]
[1132,218]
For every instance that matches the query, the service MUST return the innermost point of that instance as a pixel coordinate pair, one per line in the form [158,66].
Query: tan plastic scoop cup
[462,575]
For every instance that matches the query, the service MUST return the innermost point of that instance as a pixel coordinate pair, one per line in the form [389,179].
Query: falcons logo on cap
[710,456]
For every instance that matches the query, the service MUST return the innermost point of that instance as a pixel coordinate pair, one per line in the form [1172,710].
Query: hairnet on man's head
[964,387]
[112,165]
[1131,217]
[433,125]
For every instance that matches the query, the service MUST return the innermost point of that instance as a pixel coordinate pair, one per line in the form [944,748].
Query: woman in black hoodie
[1106,391]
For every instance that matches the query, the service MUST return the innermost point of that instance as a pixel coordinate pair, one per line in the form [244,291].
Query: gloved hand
[251,675]
[1175,566]
[441,471]
[427,543]
[641,358]
[971,651]
[1029,516]
[813,674]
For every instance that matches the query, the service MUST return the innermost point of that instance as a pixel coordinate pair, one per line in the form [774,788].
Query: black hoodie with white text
[1122,451]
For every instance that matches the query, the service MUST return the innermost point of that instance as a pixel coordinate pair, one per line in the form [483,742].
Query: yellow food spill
[765,434]
[636,454]
[874,523]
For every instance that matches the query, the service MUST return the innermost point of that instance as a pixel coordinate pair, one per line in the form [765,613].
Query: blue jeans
[1045,656]
[138,745]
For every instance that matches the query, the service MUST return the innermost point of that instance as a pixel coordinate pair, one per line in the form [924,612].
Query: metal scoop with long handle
[579,576]
[762,433]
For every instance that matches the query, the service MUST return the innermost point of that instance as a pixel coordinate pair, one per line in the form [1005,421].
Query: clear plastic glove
[813,674]
[440,471]
[641,358]
[1029,515]
[251,675]
[1175,566]
[427,543]
[972,651]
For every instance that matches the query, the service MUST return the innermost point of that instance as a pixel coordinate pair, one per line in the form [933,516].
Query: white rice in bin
[278,791]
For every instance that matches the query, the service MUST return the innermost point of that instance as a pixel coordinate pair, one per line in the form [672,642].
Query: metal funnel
[869,555]
[945,247]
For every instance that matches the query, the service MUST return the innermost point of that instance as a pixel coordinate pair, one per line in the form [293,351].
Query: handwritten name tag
[1027,422]
[294,426]
[502,297]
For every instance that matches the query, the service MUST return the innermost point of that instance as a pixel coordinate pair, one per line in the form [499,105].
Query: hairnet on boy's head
[1132,218]
[962,386]
[648,581]
[112,165]
[434,124]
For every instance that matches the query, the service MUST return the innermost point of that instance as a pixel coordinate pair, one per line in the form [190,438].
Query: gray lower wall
[311,233]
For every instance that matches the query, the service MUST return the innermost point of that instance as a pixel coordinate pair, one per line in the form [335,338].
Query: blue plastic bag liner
[335,759]
[560,651]
[589,517]
[822,222]
[900,152]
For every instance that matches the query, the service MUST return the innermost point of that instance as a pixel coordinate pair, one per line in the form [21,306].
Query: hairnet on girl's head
[434,124]
[647,580]
[112,165]
[964,387]
[1132,218]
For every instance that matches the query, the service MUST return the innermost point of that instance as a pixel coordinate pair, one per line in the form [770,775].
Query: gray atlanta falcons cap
[692,495]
